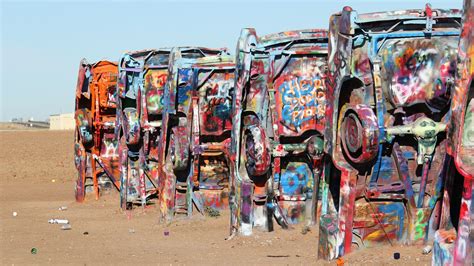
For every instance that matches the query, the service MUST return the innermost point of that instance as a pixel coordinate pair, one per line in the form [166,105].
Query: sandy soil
[37,177]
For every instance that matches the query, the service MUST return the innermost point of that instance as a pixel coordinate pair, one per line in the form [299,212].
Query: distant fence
[31,123]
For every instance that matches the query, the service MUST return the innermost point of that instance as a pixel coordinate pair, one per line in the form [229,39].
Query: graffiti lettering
[303,99]
[86,135]
[109,148]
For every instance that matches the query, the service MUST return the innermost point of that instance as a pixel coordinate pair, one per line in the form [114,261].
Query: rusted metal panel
[389,83]
[454,240]
[278,123]
[196,129]
[96,153]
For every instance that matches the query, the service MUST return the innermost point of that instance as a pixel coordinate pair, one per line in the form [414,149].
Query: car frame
[96,154]
[278,127]
[453,242]
[385,126]
[141,85]
[196,126]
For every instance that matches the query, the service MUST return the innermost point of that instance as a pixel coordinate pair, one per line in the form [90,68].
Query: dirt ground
[37,177]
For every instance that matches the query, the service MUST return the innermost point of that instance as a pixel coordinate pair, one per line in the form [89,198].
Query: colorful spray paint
[375,117]
[278,123]
[196,131]
[96,154]
[389,85]
[141,84]
[454,241]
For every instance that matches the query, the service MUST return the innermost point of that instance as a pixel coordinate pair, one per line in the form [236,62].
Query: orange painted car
[96,155]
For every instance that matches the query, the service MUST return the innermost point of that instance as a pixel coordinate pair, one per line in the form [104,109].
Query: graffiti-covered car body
[453,243]
[390,76]
[196,130]
[96,155]
[278,123]
[141,84]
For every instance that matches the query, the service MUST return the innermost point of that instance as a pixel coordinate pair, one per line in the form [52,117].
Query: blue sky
[42,42]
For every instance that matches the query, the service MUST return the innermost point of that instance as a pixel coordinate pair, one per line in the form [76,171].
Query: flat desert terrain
[37,177]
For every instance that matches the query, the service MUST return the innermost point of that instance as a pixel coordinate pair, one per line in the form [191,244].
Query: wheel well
[249,113]
[347,86]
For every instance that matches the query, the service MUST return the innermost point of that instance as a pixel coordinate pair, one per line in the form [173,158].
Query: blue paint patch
[409,155]
[296,179]
[391,211]
[222,111]
[386,168]
[276,178]
[184,77]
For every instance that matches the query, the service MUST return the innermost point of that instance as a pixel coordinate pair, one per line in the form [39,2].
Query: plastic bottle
[66,227]
[58,221]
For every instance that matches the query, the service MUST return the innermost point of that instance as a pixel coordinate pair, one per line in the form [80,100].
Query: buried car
[196,131]
[453,242]
[390,79]
[278,124]
[141,85]
[140,113]
[96,156]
